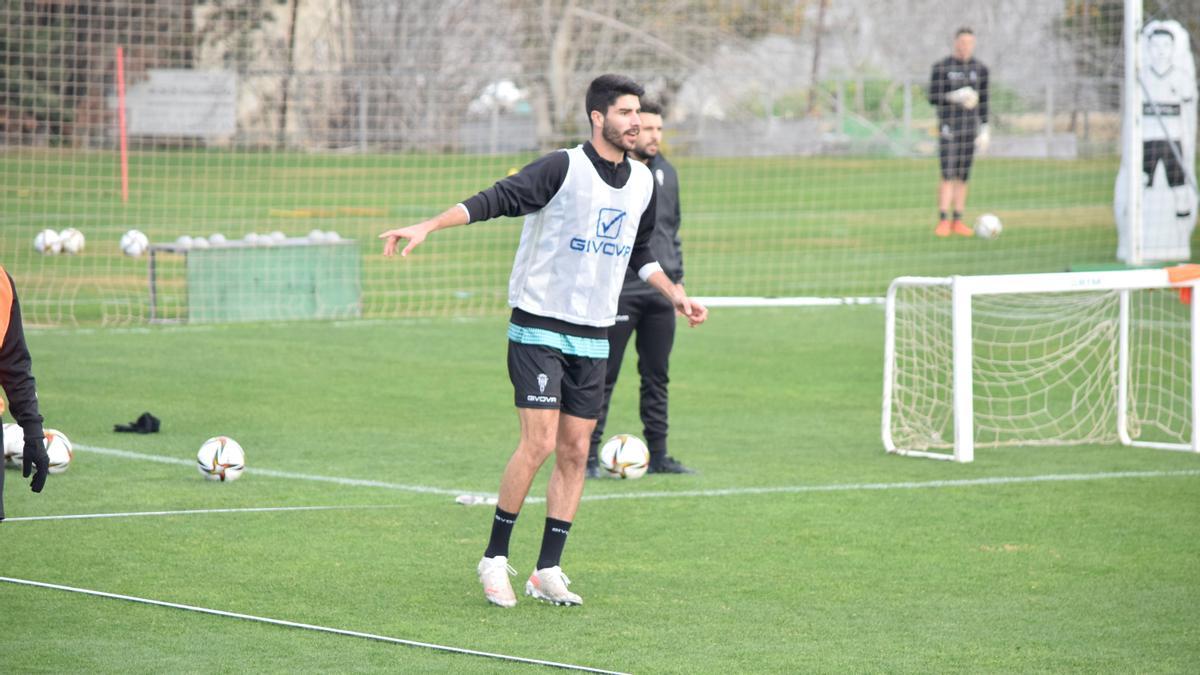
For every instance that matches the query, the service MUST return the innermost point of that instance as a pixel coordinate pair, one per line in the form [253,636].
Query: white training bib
[570,263]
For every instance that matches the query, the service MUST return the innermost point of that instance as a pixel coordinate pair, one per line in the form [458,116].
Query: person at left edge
[16,378]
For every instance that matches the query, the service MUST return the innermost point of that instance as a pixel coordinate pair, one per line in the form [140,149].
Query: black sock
[554,537]
[941,215]
[502,526]
[958,215]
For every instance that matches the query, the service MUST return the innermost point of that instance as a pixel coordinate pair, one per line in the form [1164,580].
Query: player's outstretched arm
[415,234]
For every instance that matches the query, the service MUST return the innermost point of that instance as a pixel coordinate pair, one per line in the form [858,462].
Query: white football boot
[550,585]
[494,574]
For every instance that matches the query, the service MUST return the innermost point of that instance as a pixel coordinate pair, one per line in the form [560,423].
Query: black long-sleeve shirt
[950,74]
[535,185]
[664,244]
[16,372]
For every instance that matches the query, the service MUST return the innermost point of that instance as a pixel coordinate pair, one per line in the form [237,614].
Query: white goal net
[1038,359]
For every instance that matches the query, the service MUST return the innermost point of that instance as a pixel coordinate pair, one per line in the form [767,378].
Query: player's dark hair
[965,30]
[652,107]
[606,89]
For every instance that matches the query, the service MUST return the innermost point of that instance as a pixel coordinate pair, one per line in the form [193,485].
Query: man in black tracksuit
[958,88]
[16,377]
[643,309]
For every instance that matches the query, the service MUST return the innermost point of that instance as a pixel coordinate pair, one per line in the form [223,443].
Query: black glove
[35,456]
[145,424]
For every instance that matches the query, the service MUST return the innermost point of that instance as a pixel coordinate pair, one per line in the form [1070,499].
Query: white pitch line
[305,626]
[189,512]
[720,492]
[853,487]
[357,482]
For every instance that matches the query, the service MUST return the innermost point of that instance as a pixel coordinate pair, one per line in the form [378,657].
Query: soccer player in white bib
[589,214]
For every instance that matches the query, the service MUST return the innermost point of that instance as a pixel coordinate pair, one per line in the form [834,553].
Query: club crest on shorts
[542,381]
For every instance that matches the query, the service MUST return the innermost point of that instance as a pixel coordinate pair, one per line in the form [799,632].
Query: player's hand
[983,139]
[690,309]
[699,313]
[35,460]
[970,99]
[414,234]
[967,97]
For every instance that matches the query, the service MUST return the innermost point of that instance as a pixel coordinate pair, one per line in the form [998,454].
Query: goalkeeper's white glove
[967,97]
[983,139]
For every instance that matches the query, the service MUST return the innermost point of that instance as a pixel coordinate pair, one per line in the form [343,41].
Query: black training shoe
[667,464]
[593,470]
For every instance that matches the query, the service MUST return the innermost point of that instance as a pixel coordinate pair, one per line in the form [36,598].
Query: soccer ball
[134,243]
[988,226]
[624,456]
[221,458]
[60,450]
[14,441]
[71,240]
[58,447]
[47,242]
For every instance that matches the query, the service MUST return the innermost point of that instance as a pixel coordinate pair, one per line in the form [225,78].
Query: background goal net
[805,145]
[1050,359]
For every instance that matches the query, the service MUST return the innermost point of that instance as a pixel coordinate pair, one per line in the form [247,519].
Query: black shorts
[1157,151]
[956,151]
[544,377]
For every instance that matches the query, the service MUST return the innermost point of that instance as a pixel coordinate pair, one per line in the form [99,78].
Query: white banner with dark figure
[1169,198]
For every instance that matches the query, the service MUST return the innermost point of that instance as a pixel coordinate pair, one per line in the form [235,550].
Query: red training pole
[121,124]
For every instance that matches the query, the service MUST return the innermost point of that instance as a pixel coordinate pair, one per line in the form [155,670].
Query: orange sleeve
[6,303]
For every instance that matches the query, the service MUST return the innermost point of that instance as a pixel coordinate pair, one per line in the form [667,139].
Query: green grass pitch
[1066,576]
[758,226]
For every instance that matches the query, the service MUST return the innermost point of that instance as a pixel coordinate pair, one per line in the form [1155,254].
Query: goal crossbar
[951,308]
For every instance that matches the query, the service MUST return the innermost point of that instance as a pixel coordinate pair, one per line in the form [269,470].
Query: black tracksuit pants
[652,316]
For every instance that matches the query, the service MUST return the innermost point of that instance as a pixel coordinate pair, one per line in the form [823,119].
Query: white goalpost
[1041,359]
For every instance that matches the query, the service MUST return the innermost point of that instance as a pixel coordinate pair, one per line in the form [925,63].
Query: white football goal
[1041,359]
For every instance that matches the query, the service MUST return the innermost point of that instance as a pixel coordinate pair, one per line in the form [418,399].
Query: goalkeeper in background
[16,377]
[958,88]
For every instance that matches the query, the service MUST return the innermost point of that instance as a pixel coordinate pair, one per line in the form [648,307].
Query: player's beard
[645,153]
[616,138]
